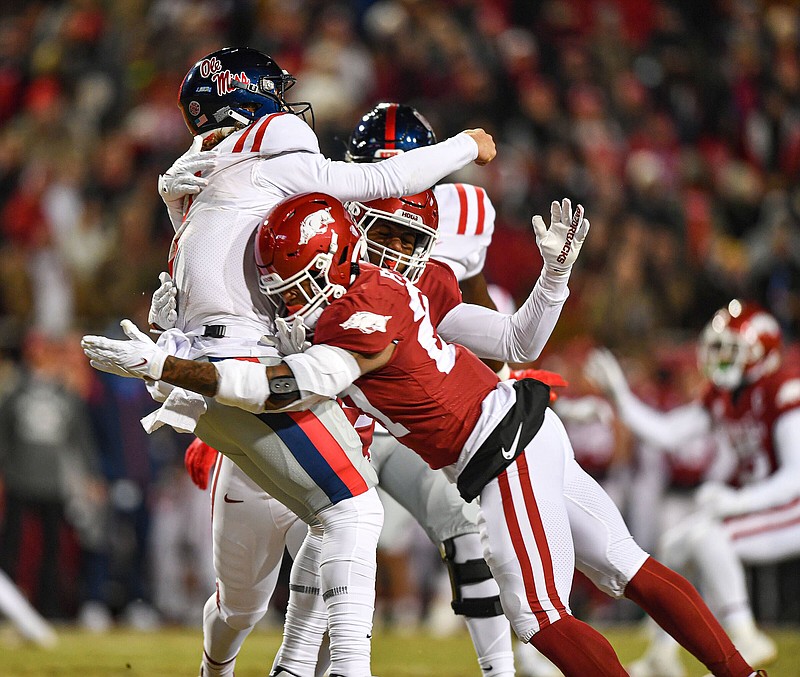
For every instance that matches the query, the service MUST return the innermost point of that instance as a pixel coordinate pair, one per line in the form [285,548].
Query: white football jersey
[212,258]
[466,225]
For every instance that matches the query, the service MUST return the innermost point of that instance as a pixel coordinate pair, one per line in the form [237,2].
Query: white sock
[221,643]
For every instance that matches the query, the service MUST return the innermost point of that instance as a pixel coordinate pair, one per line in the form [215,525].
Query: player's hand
[164,306]
[290,339]
[181,179]
[561,242]
[139,357]
[486,147]
[603,370]
[198,459]
[719,500]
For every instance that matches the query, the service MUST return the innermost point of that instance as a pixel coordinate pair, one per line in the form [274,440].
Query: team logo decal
[194,108]
[315,223]
[223,79]
[366,322]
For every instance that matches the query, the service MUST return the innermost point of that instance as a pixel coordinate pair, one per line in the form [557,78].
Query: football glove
[199,459]
[719,500]
[561,242]
[181,179]
[139,357]
[604,371]
[164,306]
[290,339]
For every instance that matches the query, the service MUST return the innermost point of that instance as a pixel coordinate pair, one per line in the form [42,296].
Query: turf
[175,652]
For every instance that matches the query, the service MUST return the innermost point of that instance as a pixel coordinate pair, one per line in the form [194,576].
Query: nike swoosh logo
[489,668]
[230,500]
[141,364]
[509,455]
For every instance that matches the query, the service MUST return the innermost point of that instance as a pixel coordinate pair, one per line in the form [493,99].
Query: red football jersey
[429,395]
[748,416]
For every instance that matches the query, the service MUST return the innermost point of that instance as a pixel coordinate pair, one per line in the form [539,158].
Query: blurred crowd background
[676,123]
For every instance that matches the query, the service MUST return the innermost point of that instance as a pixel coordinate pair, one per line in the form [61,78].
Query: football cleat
[658,662]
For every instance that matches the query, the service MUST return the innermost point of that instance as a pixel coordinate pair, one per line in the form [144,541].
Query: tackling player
[753,401]
[377,341]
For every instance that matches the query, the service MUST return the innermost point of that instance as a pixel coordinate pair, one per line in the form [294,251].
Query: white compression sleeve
[514,338]
[323,370]
[667,430]
[242,384]
[403,174]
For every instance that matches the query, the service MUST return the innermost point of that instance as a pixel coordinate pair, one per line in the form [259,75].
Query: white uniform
[212,264]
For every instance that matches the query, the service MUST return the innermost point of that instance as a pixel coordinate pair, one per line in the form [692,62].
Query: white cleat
[530,663]
[656,663]
[756,648]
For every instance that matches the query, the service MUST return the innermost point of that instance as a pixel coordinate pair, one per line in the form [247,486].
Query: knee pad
[467,573]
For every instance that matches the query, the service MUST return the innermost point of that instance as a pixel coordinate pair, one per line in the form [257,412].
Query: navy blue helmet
[232,87]
[388,129]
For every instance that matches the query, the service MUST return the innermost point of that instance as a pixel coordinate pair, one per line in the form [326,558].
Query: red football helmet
[307,245]
[418,219]
[741,344]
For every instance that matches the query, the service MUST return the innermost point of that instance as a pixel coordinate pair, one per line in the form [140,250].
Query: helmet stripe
[390,132]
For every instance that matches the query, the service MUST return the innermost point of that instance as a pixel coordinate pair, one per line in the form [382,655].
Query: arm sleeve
[667,430]
[513,338]
[784,484]
[403,174]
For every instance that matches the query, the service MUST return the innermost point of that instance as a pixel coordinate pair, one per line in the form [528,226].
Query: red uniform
[747,417]
[430,393]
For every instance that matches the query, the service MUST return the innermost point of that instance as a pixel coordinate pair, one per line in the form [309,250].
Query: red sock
[673,603]
[577,649]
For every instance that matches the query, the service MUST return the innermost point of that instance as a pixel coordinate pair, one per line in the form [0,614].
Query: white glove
[180,180]
[560,244]
[719,500]
[289,339]
[164,306]
[138,358]
[603,370]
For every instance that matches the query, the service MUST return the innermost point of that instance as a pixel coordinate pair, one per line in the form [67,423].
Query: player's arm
[297,382]
[665,430]
[475,291]
[403,174]
[521,337]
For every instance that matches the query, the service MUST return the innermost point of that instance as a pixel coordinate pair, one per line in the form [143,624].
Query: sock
[677,607]
[491,636]
[577,649]
[306,617]
[221,643]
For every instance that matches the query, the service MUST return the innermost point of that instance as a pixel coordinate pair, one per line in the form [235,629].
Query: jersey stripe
[240,141]
[481,194]
[391,122]
[317,452]
[462,214]
[262,127]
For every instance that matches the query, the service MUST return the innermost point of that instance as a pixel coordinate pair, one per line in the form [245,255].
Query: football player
[753,402]
[380,342]
[450,523]
[257,150]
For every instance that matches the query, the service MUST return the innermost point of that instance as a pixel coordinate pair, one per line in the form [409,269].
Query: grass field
[175,652]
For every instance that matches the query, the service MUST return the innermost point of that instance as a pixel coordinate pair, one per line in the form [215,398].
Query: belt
[214,331]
